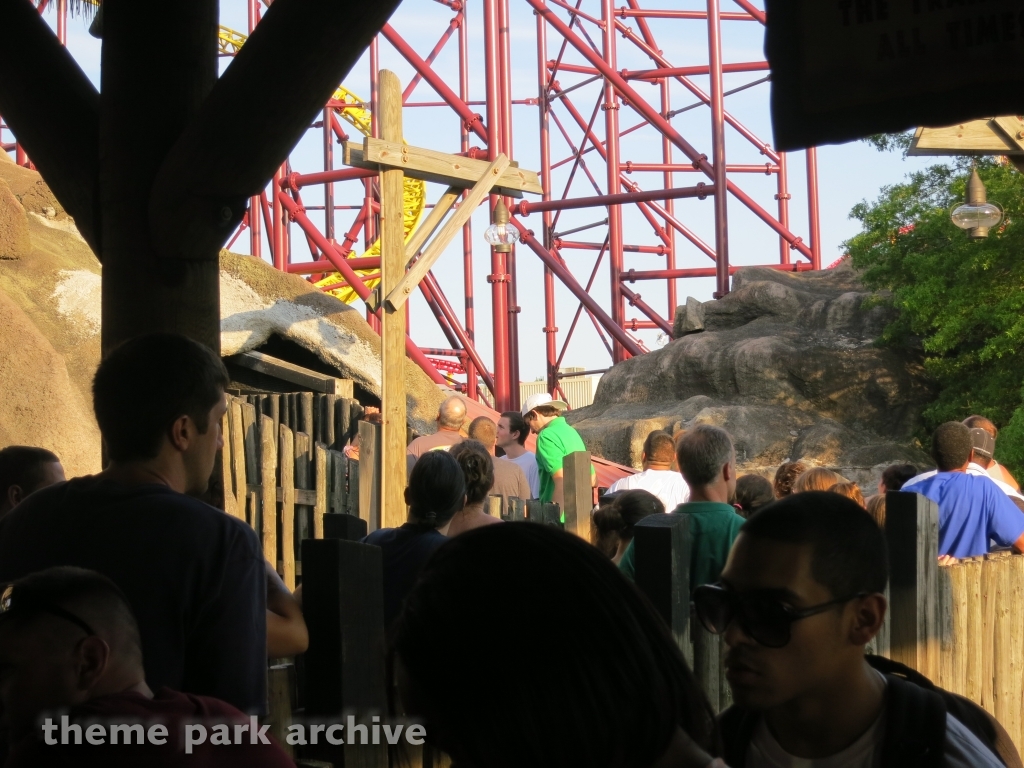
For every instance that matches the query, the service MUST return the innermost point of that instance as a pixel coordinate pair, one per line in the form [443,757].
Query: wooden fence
[283,471]
[961,625]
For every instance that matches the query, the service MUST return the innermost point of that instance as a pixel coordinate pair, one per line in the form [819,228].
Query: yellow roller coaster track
[353,111]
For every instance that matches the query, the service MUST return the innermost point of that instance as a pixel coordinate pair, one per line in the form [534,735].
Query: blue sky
[847,173]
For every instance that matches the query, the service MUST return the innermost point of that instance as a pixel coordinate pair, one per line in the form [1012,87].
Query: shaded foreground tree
[963,300]
[157,171]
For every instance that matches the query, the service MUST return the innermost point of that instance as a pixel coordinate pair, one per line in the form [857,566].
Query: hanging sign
[845,69]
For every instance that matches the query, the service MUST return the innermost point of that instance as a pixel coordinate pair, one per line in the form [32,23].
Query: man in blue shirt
[973,511]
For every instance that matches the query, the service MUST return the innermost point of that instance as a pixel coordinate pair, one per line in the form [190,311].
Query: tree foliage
[962,300]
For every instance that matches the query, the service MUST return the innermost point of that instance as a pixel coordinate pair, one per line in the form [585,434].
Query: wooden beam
[392,338]
[430,224]
[973,137]
[443,168]
[229,151]
[399,292]
[294,374]
[662,551]
[369,475]
[912,531]
[38,74]
[578,493]
[352,154]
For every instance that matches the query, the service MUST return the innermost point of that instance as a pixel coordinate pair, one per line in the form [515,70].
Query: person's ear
[868,615]
[181,433]
[91,659]
[15,496]
[643,457]
[728,470]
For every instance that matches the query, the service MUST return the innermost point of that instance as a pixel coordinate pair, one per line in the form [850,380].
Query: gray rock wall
[788,364]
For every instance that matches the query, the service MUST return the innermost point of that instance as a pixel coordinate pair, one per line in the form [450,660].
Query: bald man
[450,418]
[71,655]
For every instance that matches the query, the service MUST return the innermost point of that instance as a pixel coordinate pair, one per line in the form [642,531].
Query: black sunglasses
[762,616]
[19,602]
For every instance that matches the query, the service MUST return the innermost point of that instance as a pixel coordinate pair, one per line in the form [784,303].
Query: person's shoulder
[964,750]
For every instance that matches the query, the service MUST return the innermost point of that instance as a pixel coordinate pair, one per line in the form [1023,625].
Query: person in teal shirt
[707,460]
[555,440]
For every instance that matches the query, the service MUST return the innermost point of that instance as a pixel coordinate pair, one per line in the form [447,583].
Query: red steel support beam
[611,123]
[657,74]
[429,283]
[700,191]
[812,203]
[326,265]
[352,278]
[666,274]
[467,230]
[470,118]
[554,264]
[635,301]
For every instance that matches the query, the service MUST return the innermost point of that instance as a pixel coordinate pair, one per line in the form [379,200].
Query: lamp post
[976,214]
[500,235]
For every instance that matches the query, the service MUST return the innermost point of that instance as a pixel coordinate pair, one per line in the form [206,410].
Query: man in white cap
[555,440]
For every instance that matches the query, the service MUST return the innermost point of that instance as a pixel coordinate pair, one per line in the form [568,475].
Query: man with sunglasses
[799,598]
[73,690]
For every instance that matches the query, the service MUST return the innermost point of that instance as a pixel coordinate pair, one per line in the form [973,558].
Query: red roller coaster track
[590,116]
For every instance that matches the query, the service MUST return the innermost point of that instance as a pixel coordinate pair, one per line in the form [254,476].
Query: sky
[848,173]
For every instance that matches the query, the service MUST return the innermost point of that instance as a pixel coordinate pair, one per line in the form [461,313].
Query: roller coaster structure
[581,102]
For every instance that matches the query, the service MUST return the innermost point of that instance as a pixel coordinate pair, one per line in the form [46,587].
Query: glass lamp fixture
[977,215]
[501,235]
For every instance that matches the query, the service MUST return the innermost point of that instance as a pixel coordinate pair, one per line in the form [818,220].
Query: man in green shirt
[555,440]
[707,460]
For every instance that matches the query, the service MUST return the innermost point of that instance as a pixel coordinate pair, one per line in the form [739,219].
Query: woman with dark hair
[595,681]
[478,472]
[436,491]
[752,493]
[619,517]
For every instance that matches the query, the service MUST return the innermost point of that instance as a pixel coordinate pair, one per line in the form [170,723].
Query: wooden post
[516,509]
[662,552]
[946,678]
[348,527]
[327,403]
[392,256]
[1008,677]
[321,477]
[279,703]
[912,531]
[238,452]
[343,421]
[231,499]
[973,636]
[303,480]
[339,464]
[989,597]
[343,604]
[578,493]
[369,475]
[268,480]
[252,462]
[287,453]
[352,495]
[308,424]
[494,506]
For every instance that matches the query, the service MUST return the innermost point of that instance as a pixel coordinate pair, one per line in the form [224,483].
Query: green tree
[961,300]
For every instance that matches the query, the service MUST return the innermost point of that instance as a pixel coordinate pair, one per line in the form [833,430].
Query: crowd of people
[125,595]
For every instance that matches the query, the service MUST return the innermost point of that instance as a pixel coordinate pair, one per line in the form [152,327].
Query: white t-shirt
[528,463]
[667,485]
[973,469]
[962,750]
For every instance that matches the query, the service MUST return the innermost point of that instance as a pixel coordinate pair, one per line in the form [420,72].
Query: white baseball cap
[543,398]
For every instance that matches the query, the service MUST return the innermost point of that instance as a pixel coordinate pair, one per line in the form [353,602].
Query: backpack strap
[736,726]
[915,726]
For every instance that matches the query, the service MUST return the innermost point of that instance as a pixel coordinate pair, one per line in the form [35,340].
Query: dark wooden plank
[516,510]
[369,474]
[327,417]
[343,421]
[322,479]
[343,526]
[912,532]
[291,373]
[662,552]
[308,426]
[279,703]
[343,604]
[339,481]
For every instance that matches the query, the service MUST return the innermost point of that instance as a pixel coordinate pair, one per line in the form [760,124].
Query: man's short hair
[849,552]
[149,382]
[452,413]
[951,446]
[484,430]
[895,476]
[22,465]
[546,410]
[659,448]
[87,595]
[702,453]
[980,422]
[516,423]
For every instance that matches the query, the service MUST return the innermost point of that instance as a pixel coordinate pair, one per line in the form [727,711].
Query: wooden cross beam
[395,160]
